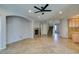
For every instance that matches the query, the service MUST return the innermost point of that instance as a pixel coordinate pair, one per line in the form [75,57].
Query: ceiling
[23,10]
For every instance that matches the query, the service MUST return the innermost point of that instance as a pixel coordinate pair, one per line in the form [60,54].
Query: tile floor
[43,45]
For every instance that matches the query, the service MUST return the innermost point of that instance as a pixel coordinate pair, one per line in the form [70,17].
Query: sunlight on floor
[55,37]
[41,45]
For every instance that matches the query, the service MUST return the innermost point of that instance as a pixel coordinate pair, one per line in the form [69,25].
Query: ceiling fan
[42,9]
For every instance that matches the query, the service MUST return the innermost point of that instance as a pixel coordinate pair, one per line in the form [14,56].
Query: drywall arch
[17,28]
[22,25]
[17,15]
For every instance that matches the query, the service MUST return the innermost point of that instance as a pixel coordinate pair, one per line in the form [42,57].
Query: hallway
[43,45]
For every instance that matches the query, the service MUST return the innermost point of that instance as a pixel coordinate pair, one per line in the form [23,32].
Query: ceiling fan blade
[37,11]
[37,8]
[47,10]
[45,6]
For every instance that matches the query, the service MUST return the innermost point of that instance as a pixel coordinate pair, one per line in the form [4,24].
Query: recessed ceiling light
[60,12]
[30,11]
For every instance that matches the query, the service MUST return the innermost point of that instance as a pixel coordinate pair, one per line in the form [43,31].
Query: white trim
[2,48]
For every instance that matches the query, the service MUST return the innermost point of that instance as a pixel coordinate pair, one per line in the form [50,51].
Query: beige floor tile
[43,45]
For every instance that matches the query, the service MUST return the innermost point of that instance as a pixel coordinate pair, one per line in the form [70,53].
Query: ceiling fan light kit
[42,9]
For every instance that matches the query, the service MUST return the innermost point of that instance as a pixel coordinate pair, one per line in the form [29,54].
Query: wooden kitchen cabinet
[75,37]
[73,27]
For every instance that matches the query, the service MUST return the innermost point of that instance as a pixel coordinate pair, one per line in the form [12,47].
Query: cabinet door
[73,26]
[75,37]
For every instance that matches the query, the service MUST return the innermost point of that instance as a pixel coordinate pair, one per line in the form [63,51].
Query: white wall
[53,22]
[2,32]
[18,28]
[64,28]
[36,24]
[44,28]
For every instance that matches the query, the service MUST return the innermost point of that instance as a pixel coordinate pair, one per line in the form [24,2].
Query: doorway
[50,31]
[56,32]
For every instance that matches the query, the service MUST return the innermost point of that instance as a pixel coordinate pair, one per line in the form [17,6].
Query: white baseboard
[2,48]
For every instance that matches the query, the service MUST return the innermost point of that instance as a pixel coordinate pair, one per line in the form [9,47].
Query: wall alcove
[17,28]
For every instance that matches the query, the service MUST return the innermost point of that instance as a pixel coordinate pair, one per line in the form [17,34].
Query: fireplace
[37,32]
